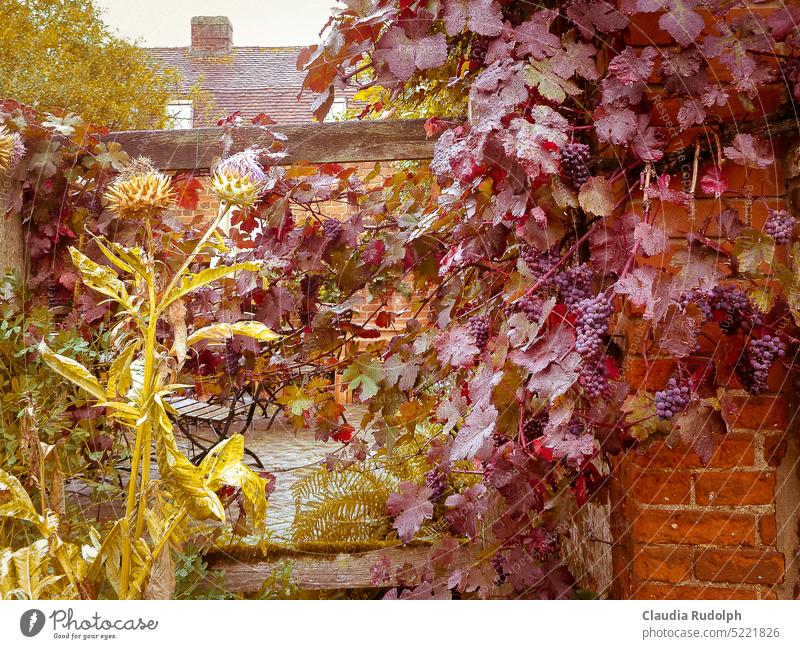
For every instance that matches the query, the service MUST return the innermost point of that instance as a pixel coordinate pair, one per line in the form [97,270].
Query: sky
[270,23]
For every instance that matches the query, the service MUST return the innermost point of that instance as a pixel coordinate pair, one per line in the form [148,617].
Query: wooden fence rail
[352,141]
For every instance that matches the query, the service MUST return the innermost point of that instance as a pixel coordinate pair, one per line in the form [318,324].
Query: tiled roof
[250,79]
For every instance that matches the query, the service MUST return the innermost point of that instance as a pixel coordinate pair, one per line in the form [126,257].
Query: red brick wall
[727,530]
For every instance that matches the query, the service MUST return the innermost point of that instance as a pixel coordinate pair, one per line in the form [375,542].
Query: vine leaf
[752,249]
[477,428]
[749,151]
[364,374]
[456,347]
[597,196]
[410,507]
[480,16]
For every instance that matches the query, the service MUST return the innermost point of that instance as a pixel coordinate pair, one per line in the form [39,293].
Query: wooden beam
[353,141]
[319,571]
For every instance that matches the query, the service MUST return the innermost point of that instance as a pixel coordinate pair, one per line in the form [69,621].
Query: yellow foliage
[60,53]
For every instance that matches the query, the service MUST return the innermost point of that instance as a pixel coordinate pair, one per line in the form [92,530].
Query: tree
[59,53]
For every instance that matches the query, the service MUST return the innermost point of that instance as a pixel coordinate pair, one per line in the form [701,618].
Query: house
[219,78]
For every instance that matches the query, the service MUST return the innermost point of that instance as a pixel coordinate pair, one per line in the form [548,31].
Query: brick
[662,564]
[768,529]
[657,591]
[740,566]
[774,449]
[735,488]
[757,413]
[661,487]
[693,526]
[730,452]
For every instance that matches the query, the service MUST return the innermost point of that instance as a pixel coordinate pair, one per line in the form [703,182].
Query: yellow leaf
[14,500]
[183,479]
[223,466]
[101,278]
[191,282]
[119,373]
[72,370]
[222,331]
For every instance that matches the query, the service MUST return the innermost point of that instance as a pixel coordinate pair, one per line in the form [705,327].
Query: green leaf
[223,331]
[364,373]
[752,249]
[72,370]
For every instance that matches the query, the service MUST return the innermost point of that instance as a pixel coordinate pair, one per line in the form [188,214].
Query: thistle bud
[139,192]
[240,179]
[11,150]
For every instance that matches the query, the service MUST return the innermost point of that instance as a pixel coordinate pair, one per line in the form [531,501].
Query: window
[180,113]
[338,109]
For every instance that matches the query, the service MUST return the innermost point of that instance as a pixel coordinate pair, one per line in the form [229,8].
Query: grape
[538,262]
[727,305]
[332,228]
[533,427]
[436,481]
[593,379]
[592,325]
[479,327]
[753,366]
[779,226]
[673,400]
[574,284]
[531,307]
[575,164]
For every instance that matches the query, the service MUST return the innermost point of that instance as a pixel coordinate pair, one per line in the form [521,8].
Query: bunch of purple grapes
[779,226]
[673,399]
[479,327]
[332,229]
[575,284]
[436,481]
[534,427]
[531,307]
[591,326]
[575,164]
[738,312]
[753,366]
[538,262]
[593,378]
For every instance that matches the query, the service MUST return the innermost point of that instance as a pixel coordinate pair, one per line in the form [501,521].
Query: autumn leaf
[410,508]
[597,196]
[363,375]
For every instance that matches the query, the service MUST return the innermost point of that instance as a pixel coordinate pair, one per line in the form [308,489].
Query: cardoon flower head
[240,179]
[139,192]
[11,150]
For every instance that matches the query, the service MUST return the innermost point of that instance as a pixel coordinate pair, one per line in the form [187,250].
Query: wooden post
[12,251]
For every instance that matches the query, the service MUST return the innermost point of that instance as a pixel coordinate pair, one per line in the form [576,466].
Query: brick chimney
[212,34]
